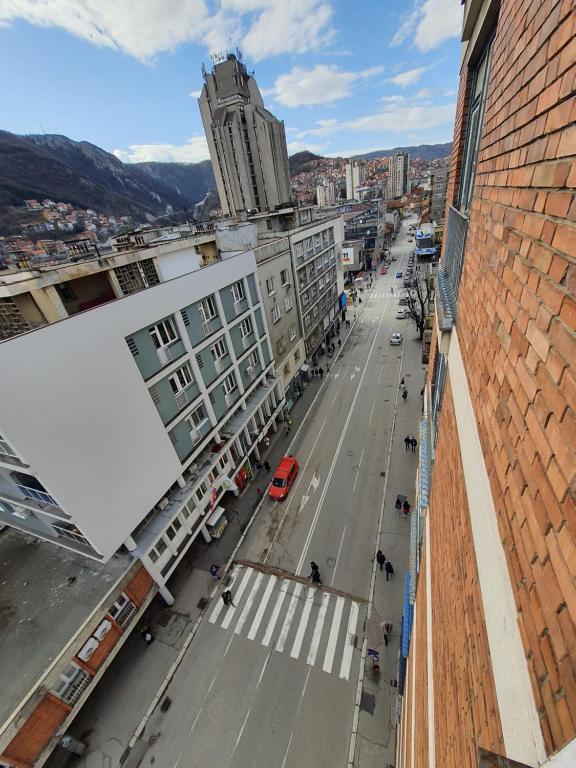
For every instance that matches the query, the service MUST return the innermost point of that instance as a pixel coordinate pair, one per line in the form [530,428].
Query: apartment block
[355,175]
[488,647]
[399,174]
[438,189]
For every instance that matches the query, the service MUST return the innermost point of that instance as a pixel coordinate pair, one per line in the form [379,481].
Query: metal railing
[450,271]
[166,354]
[269,250]
[40,496]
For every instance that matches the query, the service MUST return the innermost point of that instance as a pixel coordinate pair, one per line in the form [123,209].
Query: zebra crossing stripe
[262,608]
[314,645]
[232,609]
[295,652]
[248,606]
[275,613]
[220,604]
[349,646]
[288,619]
[333,637]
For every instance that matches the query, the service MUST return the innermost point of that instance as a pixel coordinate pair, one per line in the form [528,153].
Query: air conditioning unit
[163,503]
[103,629]
[88,649]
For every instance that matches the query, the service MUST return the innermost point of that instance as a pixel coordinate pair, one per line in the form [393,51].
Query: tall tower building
[247,143]
[398,168]
[355,175]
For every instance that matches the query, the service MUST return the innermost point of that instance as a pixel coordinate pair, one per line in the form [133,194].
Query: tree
[419,295]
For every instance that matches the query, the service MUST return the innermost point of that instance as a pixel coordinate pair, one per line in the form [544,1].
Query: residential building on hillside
[488,648]
[438,188]
[355,175]
[247,143]
[399,174]
[326,193]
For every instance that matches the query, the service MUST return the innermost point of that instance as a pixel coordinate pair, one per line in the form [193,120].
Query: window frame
[246,323]
[275,313]
[270,289]
[207,301]
[225,384]
[219,343]
[238,292]
[176,379]
[155,333]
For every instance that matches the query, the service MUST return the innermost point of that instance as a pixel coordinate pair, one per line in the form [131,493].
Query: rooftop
[46,594]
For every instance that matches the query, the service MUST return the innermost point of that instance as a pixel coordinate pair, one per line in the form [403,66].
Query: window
[275,314]
[238,292]
[479,75]
[246,327]
[299,250]
[201,491]
[297,356]
[270,286]
[308,244]
[292,331]
[284,277]
[163,333]
[66,292]
[317,242]
[223,462]
[197,417]
[253,359]
[207,308]
[161,546]
[229,384]
[181,379]
[288,303]
[137,276]
[218,350]
[286,370]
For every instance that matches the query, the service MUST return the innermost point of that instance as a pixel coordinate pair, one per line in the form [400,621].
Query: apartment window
[270,286]
[181,379]
[207,308]
[163,333]
[238,292]
[69,531]
[197,417]
[223,462]
[479,76]
[288,303]
[325,236]
[137,276]
[218,350]
[275,314]
[297,356]
[201,491]
[284,277]
[229,384]
[308,244]
[299,250]
[317,241]
[246,327]
[66,292]
[286,370]
[253,359]
[292,331]
[161,547]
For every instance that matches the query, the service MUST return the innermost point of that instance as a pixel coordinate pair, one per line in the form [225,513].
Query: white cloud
[195,94]
[321,85]
[410,77]
[430,23]
[426,93]
[144,29]
[195,150]
[302,146]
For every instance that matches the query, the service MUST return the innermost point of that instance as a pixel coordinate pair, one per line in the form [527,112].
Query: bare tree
[418,296]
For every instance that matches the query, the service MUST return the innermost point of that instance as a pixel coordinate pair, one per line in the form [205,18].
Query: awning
[305,368]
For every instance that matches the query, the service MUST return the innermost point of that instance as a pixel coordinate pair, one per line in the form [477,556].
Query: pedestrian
[267,466]
[380,559]
[266,442]
[404,394]
[392,290]
[259,466]
[215,572]
[321,372]
[414,443]
[407,441]
[227,598]
[398,505]
[401,383]
[147,636]
[339,343]
[315,574]
[389,569]
[287,430]
[259,493]
[387,627]
[406,507]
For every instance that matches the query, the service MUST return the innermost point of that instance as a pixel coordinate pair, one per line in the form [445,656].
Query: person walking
[227,598]
[147,635]
[267,466]
[406,507]
[215,572]
[387,627]
[339,343]
[401,383]
[389,569]
[398,505]
[404,394]
[380,558]
[414,443]
[407,441]
[287,430]
[315,574]
[321,372]
[259,466]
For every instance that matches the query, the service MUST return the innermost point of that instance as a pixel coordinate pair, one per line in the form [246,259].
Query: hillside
[426,152]
[86,176]
[302,162]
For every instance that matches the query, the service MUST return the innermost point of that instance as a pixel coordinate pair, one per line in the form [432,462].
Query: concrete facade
[438,189]
[398,174]
[355,175]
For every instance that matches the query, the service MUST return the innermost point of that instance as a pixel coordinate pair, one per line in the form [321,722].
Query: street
[272,680]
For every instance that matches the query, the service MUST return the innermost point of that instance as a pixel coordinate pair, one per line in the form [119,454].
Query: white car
[396,339]
[401,313]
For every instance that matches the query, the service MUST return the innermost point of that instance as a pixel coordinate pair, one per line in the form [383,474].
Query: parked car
[283,478]
[401,313]
[396,339]
[403,300]
[398,274]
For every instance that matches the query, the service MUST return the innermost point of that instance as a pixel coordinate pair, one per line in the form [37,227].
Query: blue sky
[345,77]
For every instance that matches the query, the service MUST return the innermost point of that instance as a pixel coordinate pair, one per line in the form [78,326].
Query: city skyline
[343,87]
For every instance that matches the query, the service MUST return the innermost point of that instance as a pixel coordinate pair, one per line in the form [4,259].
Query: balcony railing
[220,364]
[247,341]
[450,271]
[183,398]
[40,496]
[166,354]
[207,327]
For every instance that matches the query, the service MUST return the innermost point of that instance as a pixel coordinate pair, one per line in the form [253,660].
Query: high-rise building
[355,175]
[247,143]
[326,193]
[398,174]
[438,188]
[488,650]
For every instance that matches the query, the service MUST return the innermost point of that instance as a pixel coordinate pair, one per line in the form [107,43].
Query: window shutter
[132,346]
[185,317]
[173,438]
[212,398]
[199,360]
[154,395]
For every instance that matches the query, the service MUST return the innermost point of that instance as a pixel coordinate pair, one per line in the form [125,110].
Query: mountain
[302,162]
[80,173]
[425,152]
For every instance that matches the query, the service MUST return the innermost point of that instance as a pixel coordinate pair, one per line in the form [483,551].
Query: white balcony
[229,397]
[207,327]
[246,341]
[166,355]
[220,364]
[183,398]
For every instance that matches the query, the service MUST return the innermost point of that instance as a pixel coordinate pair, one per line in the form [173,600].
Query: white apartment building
[326,193]
[399,174]
[355,175]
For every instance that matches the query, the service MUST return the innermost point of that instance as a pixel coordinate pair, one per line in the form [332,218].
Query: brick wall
[516,326]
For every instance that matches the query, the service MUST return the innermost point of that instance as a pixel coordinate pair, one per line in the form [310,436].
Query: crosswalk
[293,618]
[380,295]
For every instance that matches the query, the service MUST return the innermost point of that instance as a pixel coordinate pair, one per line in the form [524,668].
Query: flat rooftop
[46,593]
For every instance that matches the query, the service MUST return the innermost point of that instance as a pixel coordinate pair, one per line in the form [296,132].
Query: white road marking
[356,370]
[349,646]
[314,483]
[381,372]
[236,599]
[336,395]
[338,555]
[333,637]
[314,645]
[242,730]
[303,691]
[195,721]
[372,412]
[358,470]
[274,618]
[263,670]
[287,750]
[178,760]
[212,683]
[248,605]
[262,607]
[220,604]
[228,646]
[295,652]
[288,619]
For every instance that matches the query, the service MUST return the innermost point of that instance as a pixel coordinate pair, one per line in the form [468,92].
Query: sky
[346,77]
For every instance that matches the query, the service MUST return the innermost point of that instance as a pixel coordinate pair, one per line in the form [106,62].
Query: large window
[246,327]
[181,379]
[270,286]
[218,350]
[238,292]
[479,77]
[163,333]
[207,308]
[197,417]
[229,384]
[275,313]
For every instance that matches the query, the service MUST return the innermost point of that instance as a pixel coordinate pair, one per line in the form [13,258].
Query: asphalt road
[272,680]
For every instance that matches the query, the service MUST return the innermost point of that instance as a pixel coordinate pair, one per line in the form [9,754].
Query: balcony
[450,271]
[208,327]
[247,341]
[40,496]
[184,397]
[168,354]
[221,363]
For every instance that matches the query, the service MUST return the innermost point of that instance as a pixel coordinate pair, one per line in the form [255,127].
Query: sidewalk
[113,712]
